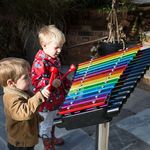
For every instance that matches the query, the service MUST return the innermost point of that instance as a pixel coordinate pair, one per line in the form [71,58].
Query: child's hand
[56,83]
[45,92]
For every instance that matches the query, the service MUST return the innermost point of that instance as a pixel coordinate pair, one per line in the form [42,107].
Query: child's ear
[43,44]
[10,82]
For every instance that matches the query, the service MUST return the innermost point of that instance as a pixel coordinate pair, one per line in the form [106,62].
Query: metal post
[102,136]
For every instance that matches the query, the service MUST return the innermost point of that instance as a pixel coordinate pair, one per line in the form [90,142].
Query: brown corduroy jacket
[22,117]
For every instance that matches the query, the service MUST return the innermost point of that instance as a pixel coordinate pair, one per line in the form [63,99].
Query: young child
[51,40]
[20,107]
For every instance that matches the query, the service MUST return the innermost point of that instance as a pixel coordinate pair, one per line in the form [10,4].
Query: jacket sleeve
[21,109]
[38,79]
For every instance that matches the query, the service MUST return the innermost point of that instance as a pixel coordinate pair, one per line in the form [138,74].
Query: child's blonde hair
[53,32]
[12,68]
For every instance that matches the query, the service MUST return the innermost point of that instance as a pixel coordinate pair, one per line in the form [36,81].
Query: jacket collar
[16,91]
[54,61]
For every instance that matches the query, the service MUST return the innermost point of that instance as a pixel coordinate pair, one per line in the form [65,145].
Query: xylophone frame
[100,117]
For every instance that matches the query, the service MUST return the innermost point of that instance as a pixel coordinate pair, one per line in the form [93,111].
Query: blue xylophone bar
[134,72]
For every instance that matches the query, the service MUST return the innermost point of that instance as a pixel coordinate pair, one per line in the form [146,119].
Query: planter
[108,48]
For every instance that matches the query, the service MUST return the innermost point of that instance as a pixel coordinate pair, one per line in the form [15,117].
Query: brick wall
[83,34]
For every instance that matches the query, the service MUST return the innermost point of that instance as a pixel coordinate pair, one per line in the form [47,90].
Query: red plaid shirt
[40,78]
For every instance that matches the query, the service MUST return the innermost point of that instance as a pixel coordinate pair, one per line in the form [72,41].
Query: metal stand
[102,136]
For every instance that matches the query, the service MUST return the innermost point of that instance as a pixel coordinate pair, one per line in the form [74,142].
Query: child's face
[23,82]
[52,48]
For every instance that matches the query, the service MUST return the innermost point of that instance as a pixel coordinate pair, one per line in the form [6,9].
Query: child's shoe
[58,141]
[48,145]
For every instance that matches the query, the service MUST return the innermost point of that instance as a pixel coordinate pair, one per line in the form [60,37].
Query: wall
[83,35]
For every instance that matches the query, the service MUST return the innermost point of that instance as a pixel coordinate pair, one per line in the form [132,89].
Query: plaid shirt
[40,78]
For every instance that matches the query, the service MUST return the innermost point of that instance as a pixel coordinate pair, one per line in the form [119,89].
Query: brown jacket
[21,117]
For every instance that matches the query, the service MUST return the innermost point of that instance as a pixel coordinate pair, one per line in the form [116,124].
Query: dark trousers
[11,147]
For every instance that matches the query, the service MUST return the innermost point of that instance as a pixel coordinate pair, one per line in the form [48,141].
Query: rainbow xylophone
[101,86]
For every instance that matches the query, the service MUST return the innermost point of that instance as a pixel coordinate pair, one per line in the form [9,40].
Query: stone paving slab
[3,143]
[138,125]
[78,140]
[138,101]
[120,139]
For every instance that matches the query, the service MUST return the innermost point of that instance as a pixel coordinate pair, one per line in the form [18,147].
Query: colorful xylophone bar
[101,86]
